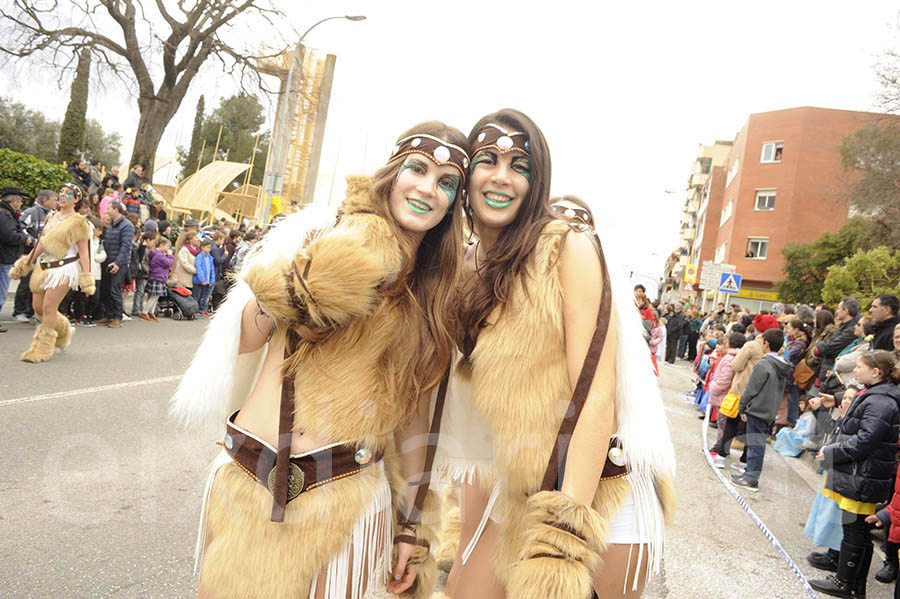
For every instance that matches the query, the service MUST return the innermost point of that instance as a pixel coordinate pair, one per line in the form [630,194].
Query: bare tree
[179,37]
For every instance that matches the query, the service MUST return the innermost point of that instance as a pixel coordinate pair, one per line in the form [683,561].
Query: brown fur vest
[520,383]
[57,239]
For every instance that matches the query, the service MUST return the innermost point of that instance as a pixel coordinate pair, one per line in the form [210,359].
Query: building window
[757,248]
[721,253]
[765,199]
[771,151]
[732,172]
[726,212]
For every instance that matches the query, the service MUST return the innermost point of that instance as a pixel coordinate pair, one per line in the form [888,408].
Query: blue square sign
[730,283]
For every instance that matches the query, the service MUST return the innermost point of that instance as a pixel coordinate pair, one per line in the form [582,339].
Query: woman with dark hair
[61,261]
[349,327]
[537,516]
[797,334]
[860,466]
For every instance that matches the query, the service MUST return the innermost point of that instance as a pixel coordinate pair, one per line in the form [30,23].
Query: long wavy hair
[507,258]
[431,274]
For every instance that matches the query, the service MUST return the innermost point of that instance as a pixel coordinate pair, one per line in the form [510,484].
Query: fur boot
[64,332]
[21,268]
[41,348]
[559,549]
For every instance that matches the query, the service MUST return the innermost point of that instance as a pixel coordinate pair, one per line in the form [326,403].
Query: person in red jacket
[764,321]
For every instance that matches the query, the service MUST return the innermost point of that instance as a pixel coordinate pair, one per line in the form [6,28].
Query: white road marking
[62,394]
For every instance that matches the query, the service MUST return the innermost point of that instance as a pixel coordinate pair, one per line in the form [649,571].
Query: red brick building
[783,182]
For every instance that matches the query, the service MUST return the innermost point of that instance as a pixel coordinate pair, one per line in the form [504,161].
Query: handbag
[803,375]
[729,405]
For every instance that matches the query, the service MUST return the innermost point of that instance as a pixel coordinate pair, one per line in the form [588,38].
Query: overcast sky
[624,92]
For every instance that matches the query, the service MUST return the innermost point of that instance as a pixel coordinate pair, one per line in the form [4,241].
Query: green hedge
[30,173]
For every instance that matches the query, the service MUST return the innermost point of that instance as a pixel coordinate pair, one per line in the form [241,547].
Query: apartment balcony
[689,233]
[698,180]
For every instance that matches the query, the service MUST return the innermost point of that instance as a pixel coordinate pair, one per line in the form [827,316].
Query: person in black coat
[13,237]
[884,312]
[860,466]
[846,316]
[675,328]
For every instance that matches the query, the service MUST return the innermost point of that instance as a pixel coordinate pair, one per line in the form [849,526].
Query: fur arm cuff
[423,556]
[86,283]
[559,549]
[21,268]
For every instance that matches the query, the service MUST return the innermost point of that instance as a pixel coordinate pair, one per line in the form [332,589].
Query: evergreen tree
[189,166]
[71,135]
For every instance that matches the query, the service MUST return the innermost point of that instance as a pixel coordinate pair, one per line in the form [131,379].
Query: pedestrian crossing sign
[730,283]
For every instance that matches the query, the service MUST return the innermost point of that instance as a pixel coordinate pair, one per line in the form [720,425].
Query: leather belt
[306,472]
[57,263]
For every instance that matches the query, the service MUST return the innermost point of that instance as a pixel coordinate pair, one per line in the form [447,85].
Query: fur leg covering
[20,268]
[87,284]
[448,545]
[41,348]
[559,549]
[64,332]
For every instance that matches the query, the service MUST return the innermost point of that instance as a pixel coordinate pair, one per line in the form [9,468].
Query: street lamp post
[274,178]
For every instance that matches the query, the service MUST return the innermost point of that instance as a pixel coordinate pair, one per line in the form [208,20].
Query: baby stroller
[178,304]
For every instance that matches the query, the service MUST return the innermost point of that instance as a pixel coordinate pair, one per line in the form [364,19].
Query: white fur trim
[219,380]
[65,275]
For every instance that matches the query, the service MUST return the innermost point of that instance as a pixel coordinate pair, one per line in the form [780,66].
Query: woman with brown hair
[348,325]
[62,262]
[536,322]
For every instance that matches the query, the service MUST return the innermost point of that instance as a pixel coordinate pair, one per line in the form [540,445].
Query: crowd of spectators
[811,380]
[138,255]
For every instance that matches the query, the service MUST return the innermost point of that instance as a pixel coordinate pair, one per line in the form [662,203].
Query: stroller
[178,304]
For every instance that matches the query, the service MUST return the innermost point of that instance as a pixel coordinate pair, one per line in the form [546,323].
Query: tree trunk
[155,116]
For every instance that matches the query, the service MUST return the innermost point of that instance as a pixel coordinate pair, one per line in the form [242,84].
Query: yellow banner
[768,295]
[690,273]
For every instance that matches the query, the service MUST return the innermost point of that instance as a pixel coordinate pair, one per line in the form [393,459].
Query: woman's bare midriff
[259,414]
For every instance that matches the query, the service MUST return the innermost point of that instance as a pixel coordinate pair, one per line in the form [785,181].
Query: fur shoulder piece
[359,195]
[65,234]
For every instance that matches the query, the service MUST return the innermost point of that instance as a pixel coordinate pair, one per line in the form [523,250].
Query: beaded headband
[436,149]
[495,136]
[76,191]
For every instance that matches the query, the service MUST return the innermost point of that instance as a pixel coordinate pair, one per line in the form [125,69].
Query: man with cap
[12,237]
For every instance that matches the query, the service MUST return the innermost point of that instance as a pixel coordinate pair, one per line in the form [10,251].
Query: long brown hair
[431,279]
[507,257]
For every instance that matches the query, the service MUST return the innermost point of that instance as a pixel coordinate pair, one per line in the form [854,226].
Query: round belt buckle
[296,478]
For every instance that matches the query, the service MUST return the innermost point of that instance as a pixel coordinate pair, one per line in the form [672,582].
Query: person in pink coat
[657,334]
[718,389]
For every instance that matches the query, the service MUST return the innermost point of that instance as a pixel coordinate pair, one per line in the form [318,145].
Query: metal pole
[272,182]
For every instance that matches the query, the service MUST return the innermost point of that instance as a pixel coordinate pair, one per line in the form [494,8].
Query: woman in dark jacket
[860,465]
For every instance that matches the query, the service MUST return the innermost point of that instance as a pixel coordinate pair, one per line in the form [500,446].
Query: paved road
[100,493]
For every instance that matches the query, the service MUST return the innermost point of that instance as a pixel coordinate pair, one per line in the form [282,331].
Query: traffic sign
[711,274]
[688,287]
[730,283]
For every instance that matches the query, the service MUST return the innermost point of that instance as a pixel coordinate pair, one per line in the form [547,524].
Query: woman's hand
[873,519]
[404,574]
[820,457]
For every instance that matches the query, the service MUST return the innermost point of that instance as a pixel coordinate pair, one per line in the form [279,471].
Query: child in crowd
[789,441]
[759,405]
[657,338]
[861,463]
[204,277]
[719,388]
[159,261]
[184,261]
